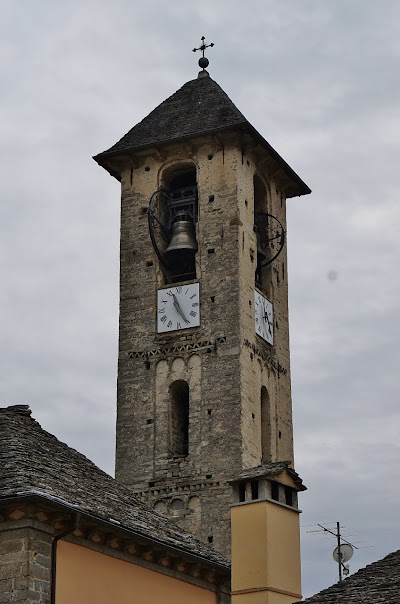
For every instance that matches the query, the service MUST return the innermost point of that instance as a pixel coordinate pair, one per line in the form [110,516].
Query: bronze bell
[261,255]
[183,239]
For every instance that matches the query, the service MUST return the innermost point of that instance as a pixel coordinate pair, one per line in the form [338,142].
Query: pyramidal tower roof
[200,107]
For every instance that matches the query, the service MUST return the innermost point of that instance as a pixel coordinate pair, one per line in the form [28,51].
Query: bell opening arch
[263,271]
[179,182]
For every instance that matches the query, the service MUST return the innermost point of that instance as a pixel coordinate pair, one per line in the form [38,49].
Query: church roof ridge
[35,463]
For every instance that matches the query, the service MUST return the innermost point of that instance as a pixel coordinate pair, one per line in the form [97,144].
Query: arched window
[265,426]
[260,195]
[262,274]
[180,182]
[179,418]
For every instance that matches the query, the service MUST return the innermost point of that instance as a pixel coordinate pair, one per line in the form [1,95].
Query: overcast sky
[320,81]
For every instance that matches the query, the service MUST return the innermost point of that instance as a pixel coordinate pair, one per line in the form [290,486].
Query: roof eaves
[269,470]
[167,141]
[33,495]
[303,189]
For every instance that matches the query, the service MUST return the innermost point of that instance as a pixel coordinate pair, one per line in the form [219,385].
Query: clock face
[178,307]
[263,317]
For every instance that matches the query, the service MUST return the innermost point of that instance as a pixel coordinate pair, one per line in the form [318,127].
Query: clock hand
[269,322]
[178,308]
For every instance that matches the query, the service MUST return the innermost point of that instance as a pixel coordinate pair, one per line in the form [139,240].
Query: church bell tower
[204,372]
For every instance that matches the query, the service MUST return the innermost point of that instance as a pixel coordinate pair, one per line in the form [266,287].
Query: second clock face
[264,317]
[178,307]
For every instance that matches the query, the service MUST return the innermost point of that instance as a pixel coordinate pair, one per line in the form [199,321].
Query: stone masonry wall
[255,371]
[24,565]
[224,363]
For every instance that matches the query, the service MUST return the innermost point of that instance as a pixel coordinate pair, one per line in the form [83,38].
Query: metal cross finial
[203,61]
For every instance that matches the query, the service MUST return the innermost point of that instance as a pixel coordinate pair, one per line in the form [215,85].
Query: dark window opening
[262,272]
[181,179]
[210,538]
[254,489]
[179,418]
[242,491]
[275,491]
[288,496]
[265,426]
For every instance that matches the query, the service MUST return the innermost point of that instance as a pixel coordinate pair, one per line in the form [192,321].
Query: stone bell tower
[204,374]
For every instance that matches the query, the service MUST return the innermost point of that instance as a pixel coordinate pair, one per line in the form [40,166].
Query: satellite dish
[346,552]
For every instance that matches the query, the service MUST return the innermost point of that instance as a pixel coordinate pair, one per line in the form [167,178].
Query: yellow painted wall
[265,554]
[85,576]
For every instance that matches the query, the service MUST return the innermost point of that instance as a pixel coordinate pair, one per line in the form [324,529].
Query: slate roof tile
[269,470]
[377,583]
[199,107]
[33,462]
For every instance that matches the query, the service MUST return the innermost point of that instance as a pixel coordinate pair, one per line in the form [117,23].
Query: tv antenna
[342,552]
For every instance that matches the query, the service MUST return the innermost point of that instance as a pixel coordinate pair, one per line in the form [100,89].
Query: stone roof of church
[199,107]
[377,583]
[33,462]
[269,470]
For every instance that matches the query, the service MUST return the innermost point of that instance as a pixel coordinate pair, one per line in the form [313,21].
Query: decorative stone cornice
[164,351]
[112,541]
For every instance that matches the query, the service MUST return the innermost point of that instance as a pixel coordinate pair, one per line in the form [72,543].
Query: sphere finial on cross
[203,61]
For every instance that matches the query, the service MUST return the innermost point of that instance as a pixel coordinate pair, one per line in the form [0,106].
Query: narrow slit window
[254,489]
[275,491]
[265,426]
[179,418]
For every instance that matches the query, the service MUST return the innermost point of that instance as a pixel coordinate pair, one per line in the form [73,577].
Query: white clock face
[263,317]
[178,307]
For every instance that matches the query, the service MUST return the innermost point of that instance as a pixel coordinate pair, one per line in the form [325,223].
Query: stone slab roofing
[270,470]
[199,107]
[377,583]
[34,463]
